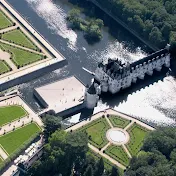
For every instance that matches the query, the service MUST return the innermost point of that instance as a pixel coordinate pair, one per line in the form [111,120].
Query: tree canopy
[51,124]
[158,157]
[68,154]
[154,20]
[90,26]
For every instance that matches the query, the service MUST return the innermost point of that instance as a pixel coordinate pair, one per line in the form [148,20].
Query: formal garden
[15,41]
[4,68]
[4,21]
[127,137]
[19,56]
[118,153]
[11,113]
[137,134]
[118,121]
[16,36]
[96,131]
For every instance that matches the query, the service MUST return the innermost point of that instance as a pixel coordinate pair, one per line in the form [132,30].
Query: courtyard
[114,136]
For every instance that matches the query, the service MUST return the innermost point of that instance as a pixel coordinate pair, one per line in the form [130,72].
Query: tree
[166,29]
[63,153]
[173,49]
[51,124]
[89,171]
[100,167]
[114,172]
[159,158]
[155,36]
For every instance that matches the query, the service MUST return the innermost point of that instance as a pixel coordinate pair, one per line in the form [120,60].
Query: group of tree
[154,20]
[158,155]
[67,154]
[90,26]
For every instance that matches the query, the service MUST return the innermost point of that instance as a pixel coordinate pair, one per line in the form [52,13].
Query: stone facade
[115,76]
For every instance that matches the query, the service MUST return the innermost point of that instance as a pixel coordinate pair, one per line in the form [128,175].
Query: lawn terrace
[118,153]
[11,113]
[13,141]
[118,121]
[21,57]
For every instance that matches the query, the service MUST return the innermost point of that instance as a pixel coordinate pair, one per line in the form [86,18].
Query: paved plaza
[61,95]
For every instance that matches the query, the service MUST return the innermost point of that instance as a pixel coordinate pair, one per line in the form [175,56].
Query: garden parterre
[4,68]
[4,21]
[96,131]
[137,134]
[122,152]
[118,121]
[18,37]
[21,57]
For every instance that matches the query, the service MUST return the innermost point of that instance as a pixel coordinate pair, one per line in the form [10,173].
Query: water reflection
[151,102]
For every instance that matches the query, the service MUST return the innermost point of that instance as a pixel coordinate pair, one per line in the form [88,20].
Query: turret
[91,96]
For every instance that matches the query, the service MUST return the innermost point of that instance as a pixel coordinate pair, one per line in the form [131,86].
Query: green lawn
[13,140]
[137,135]
[118,153]
[96,131]
[4,21]
[10,113]
[1,160]
[3,67]
[21,57]
[16,36]
[118,121]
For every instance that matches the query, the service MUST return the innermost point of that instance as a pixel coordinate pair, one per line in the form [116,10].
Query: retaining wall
[32,75]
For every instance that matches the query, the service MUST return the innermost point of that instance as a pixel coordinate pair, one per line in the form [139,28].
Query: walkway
[21,47]
[126,150]
[8,29]
[3,154]
[6,56]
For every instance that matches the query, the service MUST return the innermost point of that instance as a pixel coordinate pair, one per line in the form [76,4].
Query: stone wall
[32,75]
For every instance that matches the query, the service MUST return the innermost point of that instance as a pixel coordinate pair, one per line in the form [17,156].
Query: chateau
[115,75]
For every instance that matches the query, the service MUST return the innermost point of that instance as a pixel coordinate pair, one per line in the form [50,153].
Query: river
[154,101]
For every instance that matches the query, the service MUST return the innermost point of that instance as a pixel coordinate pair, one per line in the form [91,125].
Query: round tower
[91,97]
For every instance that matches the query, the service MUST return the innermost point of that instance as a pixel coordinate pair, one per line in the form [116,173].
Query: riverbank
[125,26]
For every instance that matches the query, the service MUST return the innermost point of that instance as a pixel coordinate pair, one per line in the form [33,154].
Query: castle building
[91,96]
[116,75]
